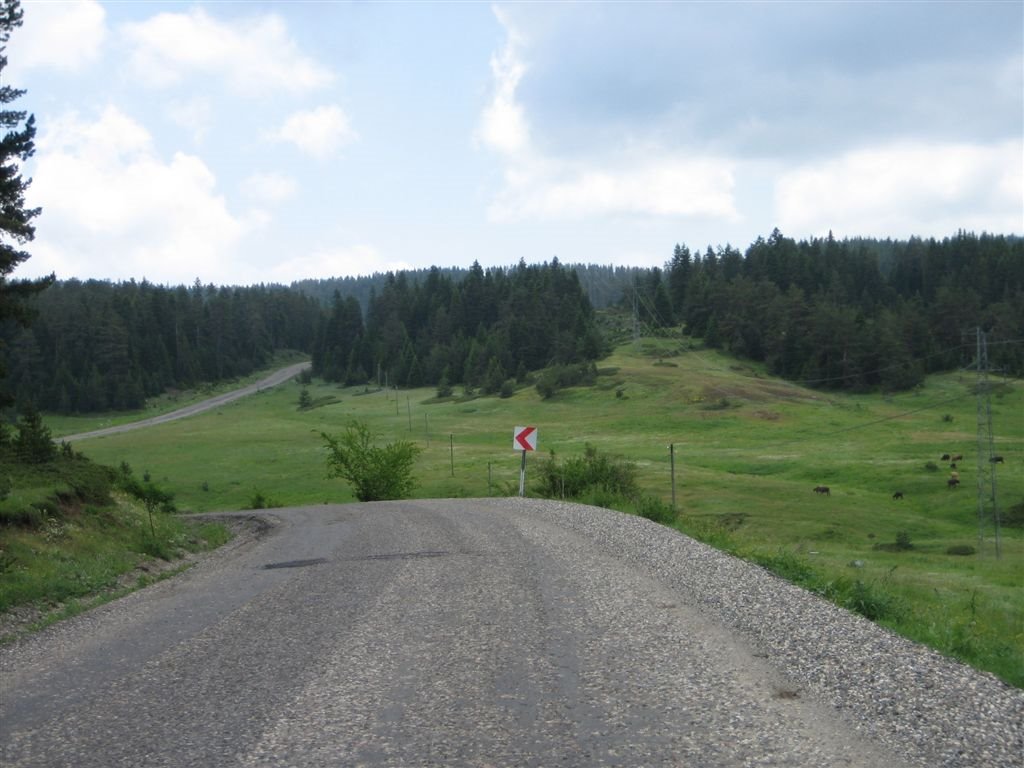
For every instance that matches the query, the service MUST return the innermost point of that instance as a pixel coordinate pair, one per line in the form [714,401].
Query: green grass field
[748,449]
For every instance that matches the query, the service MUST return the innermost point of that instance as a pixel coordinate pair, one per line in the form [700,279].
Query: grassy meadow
[748,451]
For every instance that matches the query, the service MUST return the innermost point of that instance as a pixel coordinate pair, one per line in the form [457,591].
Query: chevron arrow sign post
[524,439]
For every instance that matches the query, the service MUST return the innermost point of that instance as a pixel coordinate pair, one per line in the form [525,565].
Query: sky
[238,143]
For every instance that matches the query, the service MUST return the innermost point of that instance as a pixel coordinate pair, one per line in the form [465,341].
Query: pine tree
[16,147]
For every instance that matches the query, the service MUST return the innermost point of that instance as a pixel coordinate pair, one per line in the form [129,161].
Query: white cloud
[503,124]
[269,187]
[318,132]
[195,115]
[907,189]
[64,36]
[256,55]
[635,180]
[664,187]
[115,209]
[331,262]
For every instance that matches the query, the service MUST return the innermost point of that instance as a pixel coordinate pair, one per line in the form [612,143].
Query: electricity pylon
[986,448]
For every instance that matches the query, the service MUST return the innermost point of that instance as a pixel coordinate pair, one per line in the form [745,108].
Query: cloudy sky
[240,143]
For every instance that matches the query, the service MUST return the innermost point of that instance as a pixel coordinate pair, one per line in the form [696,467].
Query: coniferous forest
[860,315]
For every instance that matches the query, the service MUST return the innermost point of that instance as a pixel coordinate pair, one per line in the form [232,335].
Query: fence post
[672,463]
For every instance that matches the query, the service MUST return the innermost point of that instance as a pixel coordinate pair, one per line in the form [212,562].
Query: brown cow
[957,457]
[823,489]
[953,482]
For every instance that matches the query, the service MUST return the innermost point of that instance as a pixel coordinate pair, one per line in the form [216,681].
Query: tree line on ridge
[855,314]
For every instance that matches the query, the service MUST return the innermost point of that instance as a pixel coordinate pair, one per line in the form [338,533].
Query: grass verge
[72,566]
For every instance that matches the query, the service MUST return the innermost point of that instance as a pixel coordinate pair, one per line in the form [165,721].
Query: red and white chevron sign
[524,439]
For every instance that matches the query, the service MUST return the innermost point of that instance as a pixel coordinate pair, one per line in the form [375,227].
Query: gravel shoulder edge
[923,705]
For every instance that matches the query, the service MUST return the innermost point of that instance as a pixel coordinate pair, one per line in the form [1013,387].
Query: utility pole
[986,446]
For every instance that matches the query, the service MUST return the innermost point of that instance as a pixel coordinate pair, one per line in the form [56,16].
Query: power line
[986,447]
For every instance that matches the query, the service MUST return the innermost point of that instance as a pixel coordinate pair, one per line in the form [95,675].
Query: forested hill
[479,331]
[96,346]
[854,314]
[604,285]
[861,314]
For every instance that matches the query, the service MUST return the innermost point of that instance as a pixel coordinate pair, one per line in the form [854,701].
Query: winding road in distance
[486,632]
[278,377]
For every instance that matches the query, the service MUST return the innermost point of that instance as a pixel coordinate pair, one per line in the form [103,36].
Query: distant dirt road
[278,377]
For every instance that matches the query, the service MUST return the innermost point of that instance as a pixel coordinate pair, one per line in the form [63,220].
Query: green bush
[961,549]
[1013,517]
[91,483]
[869,601]
[375,473]
[34,443]
[902,544]
[260,501]
[787,565]
[656,510]
[557,377]
[153,497]
[577,475]
[444,387]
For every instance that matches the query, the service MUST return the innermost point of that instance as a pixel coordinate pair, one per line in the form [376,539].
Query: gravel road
[498,632]
[278,377]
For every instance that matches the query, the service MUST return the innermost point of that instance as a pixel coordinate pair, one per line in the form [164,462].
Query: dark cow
[823,489]
[953,482]
[996,459]
[898,495]
[945,457]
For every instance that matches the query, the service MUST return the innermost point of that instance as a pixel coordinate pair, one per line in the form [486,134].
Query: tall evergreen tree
[16,147]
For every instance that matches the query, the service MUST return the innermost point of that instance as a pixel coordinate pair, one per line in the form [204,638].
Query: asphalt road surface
[278,377]
[420,633]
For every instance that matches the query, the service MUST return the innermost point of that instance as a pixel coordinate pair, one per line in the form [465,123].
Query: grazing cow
[945,457]
[957,457]
[823,489]
[953,482]
[898,495]
[952,466]
[996,459]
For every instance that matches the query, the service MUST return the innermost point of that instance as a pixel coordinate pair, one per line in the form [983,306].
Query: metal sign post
[522,477]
